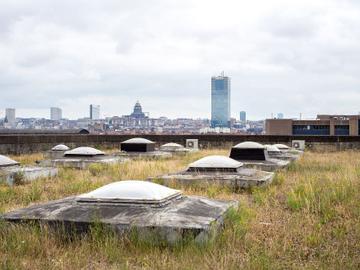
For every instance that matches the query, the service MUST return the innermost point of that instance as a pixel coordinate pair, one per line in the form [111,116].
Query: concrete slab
[254,155]
[83,162]
[166,219]
[145,155]
[176,149]
[218,170]
[11,175]
[269,165]
[274,152]
[284,156]
[243,179]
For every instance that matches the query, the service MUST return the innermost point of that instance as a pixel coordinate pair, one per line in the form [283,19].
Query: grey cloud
[289,57]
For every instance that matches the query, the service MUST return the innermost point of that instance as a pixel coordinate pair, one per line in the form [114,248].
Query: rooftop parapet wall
[20,144]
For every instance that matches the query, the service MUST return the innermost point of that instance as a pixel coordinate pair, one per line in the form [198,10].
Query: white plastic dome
[173,146]
[249,145]
[221,162]
[282,146]
[60,147]
[131,191]
[84,151]
[5,161]
[272,148]
[138,141]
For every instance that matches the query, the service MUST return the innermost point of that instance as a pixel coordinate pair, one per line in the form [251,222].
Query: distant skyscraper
[94,112]
[280,116]
[220,101]
[55,114]
[243,116]
[10,117]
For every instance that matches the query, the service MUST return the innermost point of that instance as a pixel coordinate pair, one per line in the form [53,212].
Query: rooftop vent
[131,192]
[60,147]
[248,151]
[137,145]
[84,151]
[5,161]
[214,163]
[282,146]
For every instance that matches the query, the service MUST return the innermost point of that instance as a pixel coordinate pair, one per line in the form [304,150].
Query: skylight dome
[248,151]
[249,145]
[131,191]
[60,147]
[220,162]
[5,161]
[282,146]
[84,151]
[171,146]
[272,148]
[138,141]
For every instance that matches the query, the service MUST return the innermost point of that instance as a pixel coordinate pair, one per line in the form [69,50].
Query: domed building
[163,213]
[219,170]
[137,119]
[138,113]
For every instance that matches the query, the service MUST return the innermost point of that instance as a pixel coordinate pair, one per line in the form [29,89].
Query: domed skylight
[271,148]
[131,191]
[138,141]
[84,151]
[60,147]
[249,145]
[220,162]
[5,161]
[282,146]
[171,146]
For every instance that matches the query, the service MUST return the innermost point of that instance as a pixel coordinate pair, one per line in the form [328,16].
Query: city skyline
[291,57]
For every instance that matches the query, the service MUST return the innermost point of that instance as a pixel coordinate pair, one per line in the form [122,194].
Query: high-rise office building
[94,112]
[10,117]
[220,101]
[55,114]
[243,116]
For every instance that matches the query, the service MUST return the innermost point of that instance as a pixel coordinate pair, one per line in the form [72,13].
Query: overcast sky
[282,56]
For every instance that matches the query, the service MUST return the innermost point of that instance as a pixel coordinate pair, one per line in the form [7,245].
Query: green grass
[309,218]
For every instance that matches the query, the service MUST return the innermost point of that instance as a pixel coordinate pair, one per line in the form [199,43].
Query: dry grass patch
[308,218]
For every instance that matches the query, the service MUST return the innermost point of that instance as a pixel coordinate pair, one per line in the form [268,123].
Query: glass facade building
[220,101]
[243,116]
